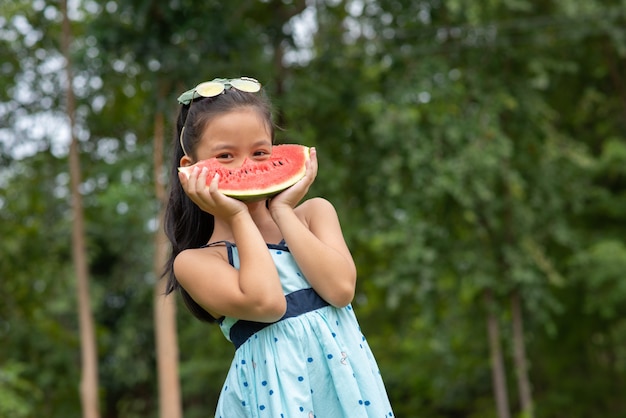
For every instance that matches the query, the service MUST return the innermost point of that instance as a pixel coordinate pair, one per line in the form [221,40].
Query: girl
[277,276]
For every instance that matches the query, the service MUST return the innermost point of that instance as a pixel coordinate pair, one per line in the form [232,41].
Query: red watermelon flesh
[258,180]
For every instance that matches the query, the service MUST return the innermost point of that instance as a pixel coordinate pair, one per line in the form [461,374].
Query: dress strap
[228,244]
[229,248]
[298,302]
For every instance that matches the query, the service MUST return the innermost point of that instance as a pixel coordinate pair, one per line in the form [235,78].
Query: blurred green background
[475,152]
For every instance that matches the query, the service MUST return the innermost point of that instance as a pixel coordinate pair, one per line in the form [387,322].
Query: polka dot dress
[313,364]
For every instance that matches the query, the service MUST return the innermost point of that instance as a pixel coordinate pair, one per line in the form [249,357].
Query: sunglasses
[214,88]
[218,86]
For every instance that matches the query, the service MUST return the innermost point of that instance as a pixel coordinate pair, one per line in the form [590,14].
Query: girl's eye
[224,156]
[261,153]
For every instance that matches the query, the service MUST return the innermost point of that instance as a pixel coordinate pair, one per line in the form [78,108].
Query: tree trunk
[170,405]
[89,357]
[519,354]
[497,362]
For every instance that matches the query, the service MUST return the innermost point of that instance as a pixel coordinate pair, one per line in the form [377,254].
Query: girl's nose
[240,162]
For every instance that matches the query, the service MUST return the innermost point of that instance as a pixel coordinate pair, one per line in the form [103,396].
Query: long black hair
[186,225]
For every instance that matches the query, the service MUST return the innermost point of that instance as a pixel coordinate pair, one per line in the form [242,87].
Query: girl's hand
[293,195]
[210,199]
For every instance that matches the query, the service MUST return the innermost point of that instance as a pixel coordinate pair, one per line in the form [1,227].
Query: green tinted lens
[249,85]
[209,89]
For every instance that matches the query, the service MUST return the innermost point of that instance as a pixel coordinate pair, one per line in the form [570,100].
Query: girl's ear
[185,161]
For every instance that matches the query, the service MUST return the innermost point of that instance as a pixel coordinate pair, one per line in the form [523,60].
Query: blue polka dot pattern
[316,364]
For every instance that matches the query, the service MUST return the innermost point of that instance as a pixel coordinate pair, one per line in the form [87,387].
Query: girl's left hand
[293,195]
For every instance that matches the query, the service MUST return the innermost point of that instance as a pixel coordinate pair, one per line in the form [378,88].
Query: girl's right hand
[210,199]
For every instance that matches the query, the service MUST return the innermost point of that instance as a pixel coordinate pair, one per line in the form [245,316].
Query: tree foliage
[467,147]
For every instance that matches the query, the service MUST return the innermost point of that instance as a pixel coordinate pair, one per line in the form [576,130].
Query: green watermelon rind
[251,195]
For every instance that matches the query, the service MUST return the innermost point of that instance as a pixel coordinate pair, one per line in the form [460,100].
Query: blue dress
[313,363]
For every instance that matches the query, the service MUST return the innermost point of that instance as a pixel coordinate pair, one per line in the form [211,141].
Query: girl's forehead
[237,122]
[238,113]
[242,126]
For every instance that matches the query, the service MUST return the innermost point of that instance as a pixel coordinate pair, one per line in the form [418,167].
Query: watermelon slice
[254,180]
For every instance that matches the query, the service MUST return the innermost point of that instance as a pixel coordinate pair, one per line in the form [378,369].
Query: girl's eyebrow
[228,146]
[221,147]
[262,143]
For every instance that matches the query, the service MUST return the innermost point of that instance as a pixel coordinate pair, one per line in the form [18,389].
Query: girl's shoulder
[315,207]
[215,251]
[315,204]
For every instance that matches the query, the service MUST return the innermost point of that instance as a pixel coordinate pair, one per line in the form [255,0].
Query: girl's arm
[315,239]
[254,291]
[318,245]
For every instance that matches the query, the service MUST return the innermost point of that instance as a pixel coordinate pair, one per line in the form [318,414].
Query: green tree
[89,357]
[470,150]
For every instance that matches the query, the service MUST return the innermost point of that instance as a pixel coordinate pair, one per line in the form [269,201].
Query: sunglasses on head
[214,88]
[218,86]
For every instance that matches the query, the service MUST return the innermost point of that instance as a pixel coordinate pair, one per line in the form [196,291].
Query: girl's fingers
[201,181]
[183,179]
[311,167]
[191,181]
[214,183]
[312,163]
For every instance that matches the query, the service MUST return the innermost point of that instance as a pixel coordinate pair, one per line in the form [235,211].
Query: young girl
[276,275]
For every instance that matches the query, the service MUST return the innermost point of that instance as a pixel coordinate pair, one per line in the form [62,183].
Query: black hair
[185,224]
